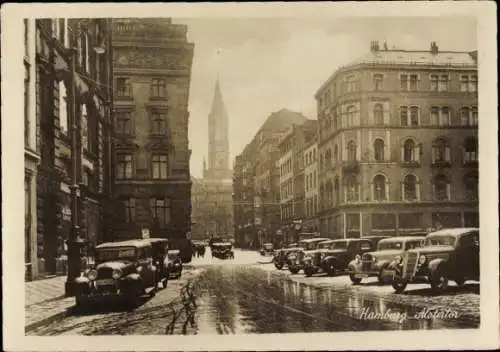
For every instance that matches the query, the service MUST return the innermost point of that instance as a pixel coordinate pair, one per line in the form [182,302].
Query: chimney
[385,46]
[434,48]
[374,46]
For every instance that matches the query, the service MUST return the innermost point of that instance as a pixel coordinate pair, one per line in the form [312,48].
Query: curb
[46,320]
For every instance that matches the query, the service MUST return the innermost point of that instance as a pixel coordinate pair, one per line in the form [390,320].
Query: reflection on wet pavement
[242,300]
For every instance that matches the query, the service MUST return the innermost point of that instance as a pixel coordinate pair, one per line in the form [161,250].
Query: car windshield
[324,245]
[109,254]
[268,246]
[338,245]
[412,244]
[390,245]
[443,240]
[310,245]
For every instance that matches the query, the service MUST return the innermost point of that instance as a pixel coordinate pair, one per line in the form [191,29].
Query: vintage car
[173,263]
[378,263]
[267,249]
[295,258]
[342,251]
[222,250]
[448,254]
[123,269]
[312,260]
[280,255]
[159,248]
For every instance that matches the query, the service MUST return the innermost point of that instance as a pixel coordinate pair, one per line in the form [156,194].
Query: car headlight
[374,259]
[117,273]
[357,258]
[92,274]
[422,259]
[398,259]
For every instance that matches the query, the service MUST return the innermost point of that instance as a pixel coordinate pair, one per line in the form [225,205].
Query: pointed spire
[217,103]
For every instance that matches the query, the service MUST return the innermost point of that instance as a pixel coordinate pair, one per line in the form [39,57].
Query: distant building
[152,183]
[292,177]
[311,222]
[212,201]
[398,143]
[256,192]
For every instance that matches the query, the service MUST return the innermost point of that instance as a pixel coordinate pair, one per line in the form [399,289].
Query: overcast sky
[268,64]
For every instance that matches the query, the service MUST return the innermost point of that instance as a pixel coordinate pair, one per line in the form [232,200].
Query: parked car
[295,258]
[159,248]
[342,251]
[222,250]
[267,249]
[378,263]
[174,264]
[448,254]
[280,255]
[312,260]
[123,269]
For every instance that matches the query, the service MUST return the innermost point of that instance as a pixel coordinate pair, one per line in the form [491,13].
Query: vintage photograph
[250,175]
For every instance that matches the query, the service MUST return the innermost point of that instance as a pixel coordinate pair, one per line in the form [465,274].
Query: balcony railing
[410,163]
[351,166]
[441,164]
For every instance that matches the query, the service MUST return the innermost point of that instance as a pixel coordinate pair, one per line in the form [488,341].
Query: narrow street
[246,296]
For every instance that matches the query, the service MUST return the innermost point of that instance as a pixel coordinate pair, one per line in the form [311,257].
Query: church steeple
[218,137]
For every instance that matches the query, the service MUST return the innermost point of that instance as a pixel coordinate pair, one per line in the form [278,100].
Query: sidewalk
[45,301]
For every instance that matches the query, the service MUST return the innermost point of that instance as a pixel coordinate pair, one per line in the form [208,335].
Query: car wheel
[382,275]
[399,285]
[164,283]
[278,266]
[460,281]
[294,269]
[308,272]
[439,281]
[330,270]
[355,280]
[81,302]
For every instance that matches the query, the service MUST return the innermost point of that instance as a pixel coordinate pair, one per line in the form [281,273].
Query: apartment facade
[151,71]
[311,222]
[90,90]
[398,147]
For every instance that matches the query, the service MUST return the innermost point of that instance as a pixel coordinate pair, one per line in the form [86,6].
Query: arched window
[329,193]
[379,188]
[63,108]
[351,151]
[471,182]
[440,150]
[351,189]
[85,126]
[409,153]
[378,114]
[441,187]
[470,147]
[328,158]
[336,188]
[465,117]
[410,188]
[378,148]
[336,153]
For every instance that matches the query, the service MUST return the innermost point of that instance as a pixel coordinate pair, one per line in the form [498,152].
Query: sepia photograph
[262,174]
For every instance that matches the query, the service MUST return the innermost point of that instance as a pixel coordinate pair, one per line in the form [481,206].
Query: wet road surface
[232,299]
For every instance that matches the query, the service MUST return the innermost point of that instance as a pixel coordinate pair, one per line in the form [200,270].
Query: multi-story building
[152,184]
[86,44]
[398,148]
[292,178]
[256,190]
[31,154]
[212,200]
[311,223]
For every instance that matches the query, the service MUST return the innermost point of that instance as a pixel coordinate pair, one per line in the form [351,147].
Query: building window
[471,183]
[158,124]
[336,154]
[378,147]
[468,83]
[409,116]
[404,115]
[351,189]
[129,210]
[409,221]
[123,124]
[351,151]
[87,52]
[410,151]
[471,219]
[446,220]
[435,116]
[468,116]
[410,188]
[445,119]
[123,88]
[124,166]
[160,208]
[63,108]
[378,114]
[443,83]
[414,116]
[441,188]
[336,190]
[379,188]
[434,83]
[471,152]
[158,88]
[350,116]
[160,166]
[85,127]
[404,82]
[351,84]
[440,151]
[378,80]
[383,221]
[413,83]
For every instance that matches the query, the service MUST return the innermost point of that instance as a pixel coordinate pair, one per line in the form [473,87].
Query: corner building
[152,68]
[398,147]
